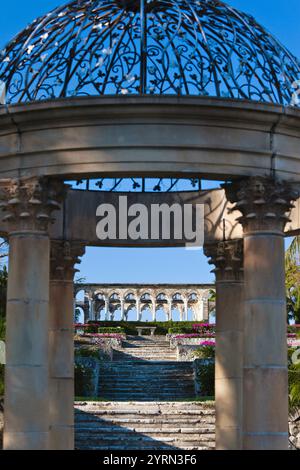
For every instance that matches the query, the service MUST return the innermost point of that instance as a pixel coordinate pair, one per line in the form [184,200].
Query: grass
[207,400]
[90,399]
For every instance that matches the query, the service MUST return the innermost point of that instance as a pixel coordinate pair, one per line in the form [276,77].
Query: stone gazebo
[129,88]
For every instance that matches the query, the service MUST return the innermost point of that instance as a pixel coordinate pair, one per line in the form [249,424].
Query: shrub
[2,329]
[88,351]
[205,350]
[162,328]
[205,329]
[2,369]
[294,387]
[205,377]
[178,330]
[83,380]
[104,330]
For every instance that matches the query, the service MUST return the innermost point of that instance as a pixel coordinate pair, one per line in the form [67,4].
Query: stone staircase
[144,389]
[145,426]
[146,370]
[145,348]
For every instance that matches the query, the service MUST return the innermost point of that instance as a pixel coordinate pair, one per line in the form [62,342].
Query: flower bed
[207,330]
[114,339]
[192,339]
[293,343]
[189,352]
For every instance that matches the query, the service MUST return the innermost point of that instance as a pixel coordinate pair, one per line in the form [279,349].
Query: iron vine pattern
[175,47]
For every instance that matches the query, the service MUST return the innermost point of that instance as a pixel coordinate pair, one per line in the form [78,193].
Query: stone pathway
[144,425]
[144,386]
[146,370]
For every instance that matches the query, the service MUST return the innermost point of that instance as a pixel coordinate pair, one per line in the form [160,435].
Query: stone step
[131,430]
[154,366]
[85,445]
[152,416]
[186,407]
[188,439]
[137,423]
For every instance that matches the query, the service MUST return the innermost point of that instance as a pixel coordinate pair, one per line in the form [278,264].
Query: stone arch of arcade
[101,302]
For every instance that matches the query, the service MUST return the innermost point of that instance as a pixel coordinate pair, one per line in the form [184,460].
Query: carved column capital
[64,255]
[27,204]
[227,257]
[263,202]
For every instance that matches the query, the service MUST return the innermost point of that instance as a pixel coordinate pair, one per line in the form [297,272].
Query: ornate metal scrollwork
[177,47]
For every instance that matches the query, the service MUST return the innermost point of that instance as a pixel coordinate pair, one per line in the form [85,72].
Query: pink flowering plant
[205,330]
[99,338]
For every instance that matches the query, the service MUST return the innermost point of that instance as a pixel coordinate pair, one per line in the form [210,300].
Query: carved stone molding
[263,202]
[227,257]
[28,204]
[63,257]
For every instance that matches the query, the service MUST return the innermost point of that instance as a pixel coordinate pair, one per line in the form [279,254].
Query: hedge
[162,328]
[179,330]
[104,330]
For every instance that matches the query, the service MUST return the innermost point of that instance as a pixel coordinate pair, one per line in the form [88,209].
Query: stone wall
[294,428]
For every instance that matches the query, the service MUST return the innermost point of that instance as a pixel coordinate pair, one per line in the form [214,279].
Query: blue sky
[156,265]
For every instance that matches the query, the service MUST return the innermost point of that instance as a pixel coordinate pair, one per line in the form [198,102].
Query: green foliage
[205,376]
[2,329]
[2,369]
[83,380]
[292,270]
[294,387]
[105,330]
[88,351]
[204,352]
[179,330]
[3,289]
[162,328]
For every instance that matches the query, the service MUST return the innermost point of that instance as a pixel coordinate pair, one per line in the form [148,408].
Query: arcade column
[64,257]
[27,205]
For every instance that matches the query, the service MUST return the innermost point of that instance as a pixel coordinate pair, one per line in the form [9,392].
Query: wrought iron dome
[139,47]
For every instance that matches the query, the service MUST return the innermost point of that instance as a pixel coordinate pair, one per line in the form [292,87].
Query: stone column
[64,256]
[264,204]
[122,309]
[28,205]
[138,310]
[106,309]
[86,308]
[185,309]
[228,260]
[200,309]
[153,310]
[93,315]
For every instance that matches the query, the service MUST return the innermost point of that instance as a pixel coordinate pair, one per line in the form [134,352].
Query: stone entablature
[102,301]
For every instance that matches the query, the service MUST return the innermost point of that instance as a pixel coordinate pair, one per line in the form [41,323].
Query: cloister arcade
[140,302]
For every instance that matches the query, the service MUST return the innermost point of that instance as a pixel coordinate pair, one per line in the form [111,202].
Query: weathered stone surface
[144,425]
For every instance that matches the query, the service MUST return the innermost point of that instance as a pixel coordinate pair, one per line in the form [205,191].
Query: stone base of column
[26,441]
[62,414]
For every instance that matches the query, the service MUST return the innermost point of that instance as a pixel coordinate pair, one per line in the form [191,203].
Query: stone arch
[130,312]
